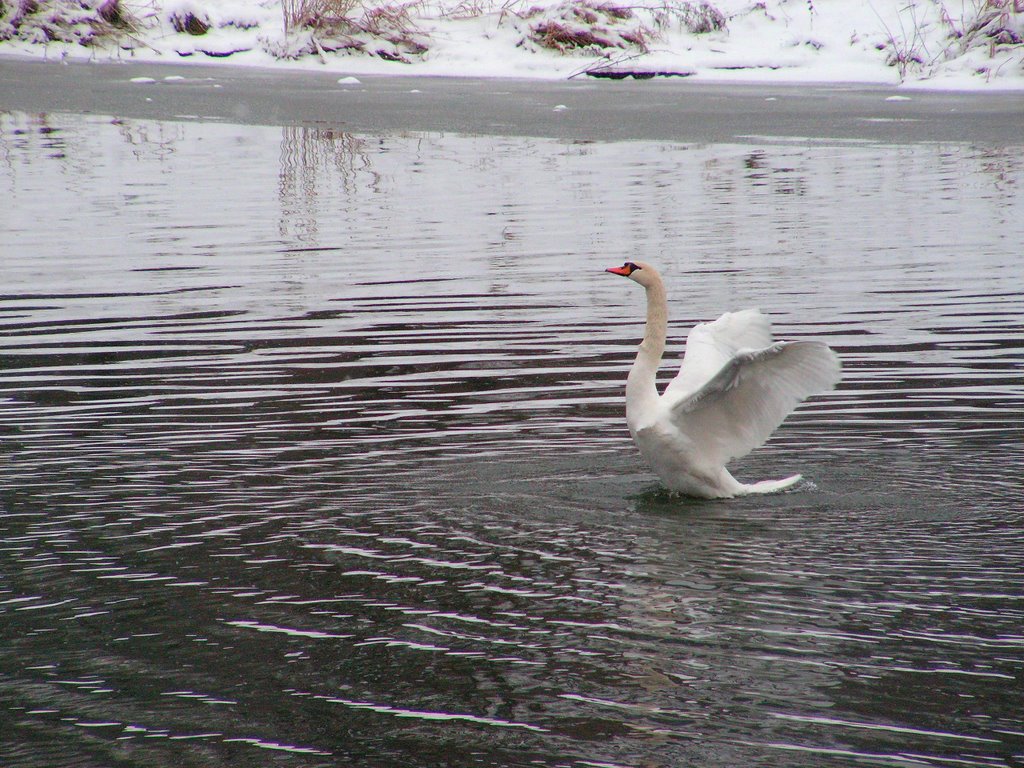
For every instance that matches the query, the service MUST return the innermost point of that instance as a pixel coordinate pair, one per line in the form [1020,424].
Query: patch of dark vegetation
[700,18]
[553,34]
[222,53]
[635,74]
[189,23]
[112,12]
[586,26]
[324,26]
[83,22]
[995,25]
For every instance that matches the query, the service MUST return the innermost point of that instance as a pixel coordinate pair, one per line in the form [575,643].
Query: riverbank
[928,44]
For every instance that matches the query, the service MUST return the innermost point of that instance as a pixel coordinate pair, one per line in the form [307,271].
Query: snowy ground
[971,44]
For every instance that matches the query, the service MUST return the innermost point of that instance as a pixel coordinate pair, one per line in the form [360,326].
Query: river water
[313,451]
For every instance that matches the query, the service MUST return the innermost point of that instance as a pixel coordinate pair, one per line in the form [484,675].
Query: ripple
[443,716]
[313,475]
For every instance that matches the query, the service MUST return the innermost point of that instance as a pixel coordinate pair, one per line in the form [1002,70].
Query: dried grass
[189,23]
[387,30]
[389,20]
[997,25]
[316,14]
[696,18]
[394,24]
[585,26]
[994,23]
[554,34]
[82,22]
[472,9]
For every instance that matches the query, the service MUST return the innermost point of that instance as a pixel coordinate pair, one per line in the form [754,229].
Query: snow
[937,44]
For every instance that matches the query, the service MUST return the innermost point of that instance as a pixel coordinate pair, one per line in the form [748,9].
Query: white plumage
[734,388]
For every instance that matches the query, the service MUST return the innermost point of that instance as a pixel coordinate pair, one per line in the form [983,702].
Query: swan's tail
[772,486]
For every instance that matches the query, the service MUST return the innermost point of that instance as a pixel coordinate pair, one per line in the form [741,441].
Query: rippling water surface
[313,453]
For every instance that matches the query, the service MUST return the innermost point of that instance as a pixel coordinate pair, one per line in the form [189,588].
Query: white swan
[734,388]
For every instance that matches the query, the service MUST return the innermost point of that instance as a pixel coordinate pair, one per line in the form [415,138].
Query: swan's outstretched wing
[740,407]
[710,346]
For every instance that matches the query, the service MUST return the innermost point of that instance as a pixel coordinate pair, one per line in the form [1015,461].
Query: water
[313,452]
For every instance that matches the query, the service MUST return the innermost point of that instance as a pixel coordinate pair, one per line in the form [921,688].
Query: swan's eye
[631,267]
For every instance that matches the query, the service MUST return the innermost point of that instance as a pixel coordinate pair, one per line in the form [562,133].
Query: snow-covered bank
[969,44]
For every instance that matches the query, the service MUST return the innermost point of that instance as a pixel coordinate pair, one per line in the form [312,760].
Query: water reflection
[313,452]
[310,159]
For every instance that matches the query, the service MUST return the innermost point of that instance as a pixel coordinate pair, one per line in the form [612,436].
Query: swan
[734,387]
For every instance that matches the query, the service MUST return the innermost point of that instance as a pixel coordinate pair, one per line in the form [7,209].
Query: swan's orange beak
[624,270]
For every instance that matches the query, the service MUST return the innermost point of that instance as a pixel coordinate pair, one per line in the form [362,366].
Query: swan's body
[734,388]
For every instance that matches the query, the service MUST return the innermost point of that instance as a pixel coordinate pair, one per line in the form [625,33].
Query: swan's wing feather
[745,329]
[740,407]
[709,346]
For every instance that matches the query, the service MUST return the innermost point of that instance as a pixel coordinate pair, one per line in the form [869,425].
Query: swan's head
[637,271]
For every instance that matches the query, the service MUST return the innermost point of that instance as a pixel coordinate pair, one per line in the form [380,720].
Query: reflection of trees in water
[155,139]
[782,178]
[875,195]
[20,131]
[788,170]
[1004,165]
[78,143]
[312,161]
[12,130]
[28,138]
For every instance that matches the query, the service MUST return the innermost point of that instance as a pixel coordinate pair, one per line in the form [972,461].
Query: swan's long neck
[641,389]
